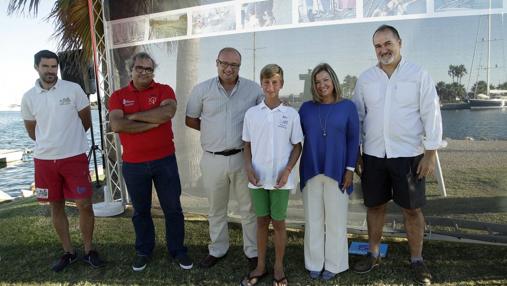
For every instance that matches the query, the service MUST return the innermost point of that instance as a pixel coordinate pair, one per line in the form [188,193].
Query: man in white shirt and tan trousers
[401,129]
[216,107]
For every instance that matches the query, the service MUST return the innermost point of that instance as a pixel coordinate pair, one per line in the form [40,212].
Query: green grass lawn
[28,246]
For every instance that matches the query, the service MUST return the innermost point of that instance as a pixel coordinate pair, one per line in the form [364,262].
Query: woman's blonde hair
[337,91]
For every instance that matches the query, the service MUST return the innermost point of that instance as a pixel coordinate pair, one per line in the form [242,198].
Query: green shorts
[271,203]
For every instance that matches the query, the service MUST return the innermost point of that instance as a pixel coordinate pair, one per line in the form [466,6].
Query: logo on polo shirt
[65,101]
[127,102]
[283,123]
[152,100]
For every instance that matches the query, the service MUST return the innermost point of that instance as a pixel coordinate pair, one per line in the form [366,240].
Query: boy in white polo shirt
[272,134]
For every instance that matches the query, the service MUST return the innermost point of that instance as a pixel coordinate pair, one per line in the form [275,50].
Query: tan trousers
[222,175]
[326,208]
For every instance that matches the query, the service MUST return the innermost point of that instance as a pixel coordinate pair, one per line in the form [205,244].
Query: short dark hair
[141,55]
[390,28]
[229,49]
[46,55]
[270,71]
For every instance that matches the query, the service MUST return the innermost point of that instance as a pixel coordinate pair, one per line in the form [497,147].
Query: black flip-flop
[249,279]
[278,281]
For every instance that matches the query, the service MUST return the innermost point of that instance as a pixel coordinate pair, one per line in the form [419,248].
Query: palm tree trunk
[187,140]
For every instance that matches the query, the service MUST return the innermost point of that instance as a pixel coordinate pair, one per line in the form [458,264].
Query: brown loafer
[209,261]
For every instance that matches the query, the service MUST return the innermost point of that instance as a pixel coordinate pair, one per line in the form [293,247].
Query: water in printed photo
[457,124]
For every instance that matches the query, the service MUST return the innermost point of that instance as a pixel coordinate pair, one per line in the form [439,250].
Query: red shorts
[67,178]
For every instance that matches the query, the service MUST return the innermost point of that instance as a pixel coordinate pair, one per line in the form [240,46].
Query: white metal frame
[112,147]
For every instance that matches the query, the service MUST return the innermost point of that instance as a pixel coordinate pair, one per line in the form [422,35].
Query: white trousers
[326,208]
[221,175]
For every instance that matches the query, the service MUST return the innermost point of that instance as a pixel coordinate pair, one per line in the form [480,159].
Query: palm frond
[72,26]
[71,20]
[19,6]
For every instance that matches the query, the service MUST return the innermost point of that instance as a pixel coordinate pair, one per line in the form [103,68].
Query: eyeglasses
[141,69]
[224,65]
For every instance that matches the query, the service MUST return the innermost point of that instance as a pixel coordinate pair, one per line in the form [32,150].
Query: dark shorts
[396,178]
[67,178]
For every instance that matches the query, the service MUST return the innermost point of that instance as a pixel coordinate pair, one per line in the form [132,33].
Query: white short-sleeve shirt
[59,132]
[272,134]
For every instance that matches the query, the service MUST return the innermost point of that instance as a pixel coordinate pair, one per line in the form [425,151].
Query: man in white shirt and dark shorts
[401,130]
[56,114]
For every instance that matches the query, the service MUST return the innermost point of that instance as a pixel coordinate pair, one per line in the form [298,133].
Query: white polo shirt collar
[279,108]
[39,89]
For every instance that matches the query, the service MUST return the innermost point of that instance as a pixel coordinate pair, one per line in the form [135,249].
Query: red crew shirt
[152,144]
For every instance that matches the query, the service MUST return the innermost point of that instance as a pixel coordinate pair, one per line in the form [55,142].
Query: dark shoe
[185,262]
[66,259]
[209,261]
[251,280]
[421,274]
[314,274]
[366,264]
[140,262]
[93,259]
[252,262]
[328,275]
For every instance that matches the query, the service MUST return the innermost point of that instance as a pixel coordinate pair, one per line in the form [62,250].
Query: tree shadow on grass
[28,247]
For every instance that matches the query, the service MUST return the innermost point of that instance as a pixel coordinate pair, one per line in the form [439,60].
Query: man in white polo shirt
[216,108]
[401,125]
[57,115]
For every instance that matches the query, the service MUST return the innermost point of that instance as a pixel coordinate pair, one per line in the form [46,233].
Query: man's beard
[47,78]
[387,59]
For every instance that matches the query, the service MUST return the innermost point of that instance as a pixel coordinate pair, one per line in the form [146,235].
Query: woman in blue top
[331,128]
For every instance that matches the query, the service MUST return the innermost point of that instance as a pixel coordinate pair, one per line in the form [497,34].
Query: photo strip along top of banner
[231,17]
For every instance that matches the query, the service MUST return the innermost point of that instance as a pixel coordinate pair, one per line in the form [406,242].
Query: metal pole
[92,152]
[489,49]
[439,176]
[96,71]
[99,108]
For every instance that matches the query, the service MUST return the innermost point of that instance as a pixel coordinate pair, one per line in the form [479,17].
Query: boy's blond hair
[271,70]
